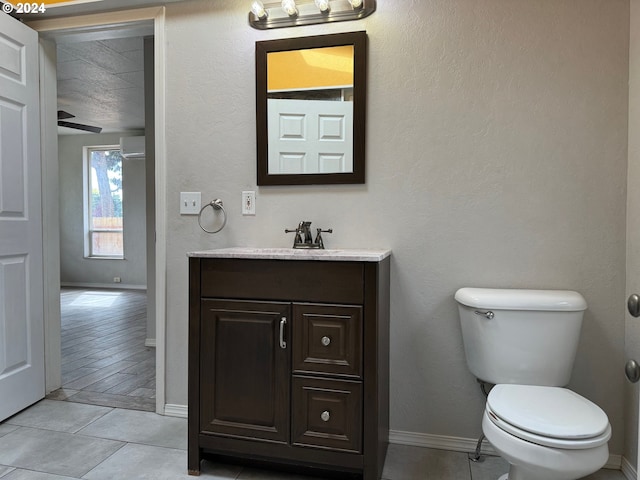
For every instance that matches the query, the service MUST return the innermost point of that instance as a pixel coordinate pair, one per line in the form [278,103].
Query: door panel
[244,369]
[21,284]
[14,333]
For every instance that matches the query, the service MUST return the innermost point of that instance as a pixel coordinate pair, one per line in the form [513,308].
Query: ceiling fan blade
[79,126]
[62,115]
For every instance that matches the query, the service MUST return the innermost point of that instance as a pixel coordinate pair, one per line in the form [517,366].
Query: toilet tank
[531,337]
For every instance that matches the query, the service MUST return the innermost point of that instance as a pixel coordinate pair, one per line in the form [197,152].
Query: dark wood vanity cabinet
[289,362]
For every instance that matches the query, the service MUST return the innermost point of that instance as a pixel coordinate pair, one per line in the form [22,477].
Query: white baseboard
[441,442]
[458,444]
[628,470]
[150,342]
[614,463]
[119,286]
[172,410]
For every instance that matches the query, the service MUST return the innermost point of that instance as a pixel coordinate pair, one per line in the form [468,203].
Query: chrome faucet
[303,238]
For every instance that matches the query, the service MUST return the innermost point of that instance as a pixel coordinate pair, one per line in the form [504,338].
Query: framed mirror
[310,109]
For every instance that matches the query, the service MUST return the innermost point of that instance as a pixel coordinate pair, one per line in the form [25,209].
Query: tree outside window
[105,202]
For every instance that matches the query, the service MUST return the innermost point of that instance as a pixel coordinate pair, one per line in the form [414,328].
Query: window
[103,202]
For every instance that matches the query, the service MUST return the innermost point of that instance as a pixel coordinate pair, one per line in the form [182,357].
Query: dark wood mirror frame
[359,42]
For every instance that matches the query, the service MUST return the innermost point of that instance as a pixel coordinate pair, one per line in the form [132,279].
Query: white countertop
[343,254]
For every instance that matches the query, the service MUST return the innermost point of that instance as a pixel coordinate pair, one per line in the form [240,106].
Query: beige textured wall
[496,140]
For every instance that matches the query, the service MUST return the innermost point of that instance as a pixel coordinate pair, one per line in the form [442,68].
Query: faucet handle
[319,233]
[298,232]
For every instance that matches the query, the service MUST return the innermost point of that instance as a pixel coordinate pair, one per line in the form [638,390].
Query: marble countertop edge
[341,254]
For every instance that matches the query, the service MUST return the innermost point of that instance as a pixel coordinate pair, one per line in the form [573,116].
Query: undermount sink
[281,253]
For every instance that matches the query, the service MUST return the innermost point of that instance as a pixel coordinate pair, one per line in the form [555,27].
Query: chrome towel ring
[215,205]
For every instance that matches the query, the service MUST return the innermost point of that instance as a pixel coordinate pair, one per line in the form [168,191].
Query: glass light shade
[323,5]
[258,9]
[355,3]
[289,7]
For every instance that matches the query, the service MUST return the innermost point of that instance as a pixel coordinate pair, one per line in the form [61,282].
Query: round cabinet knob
[326,341]
[325,416]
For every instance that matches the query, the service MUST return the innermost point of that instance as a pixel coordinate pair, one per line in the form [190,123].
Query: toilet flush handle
[489,314]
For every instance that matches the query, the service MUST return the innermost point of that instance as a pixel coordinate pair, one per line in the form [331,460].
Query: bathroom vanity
[289,358]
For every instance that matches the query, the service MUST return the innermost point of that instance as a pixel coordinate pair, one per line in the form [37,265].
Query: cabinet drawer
[327,414]
[300,280]
[327,339]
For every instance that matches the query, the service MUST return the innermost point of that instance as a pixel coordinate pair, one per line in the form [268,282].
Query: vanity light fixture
[258,10]
[289,7]
[323,5]
[295,13]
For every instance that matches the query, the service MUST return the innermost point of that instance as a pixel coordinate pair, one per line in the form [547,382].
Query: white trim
[50,215]
[614,462]
[171,410]
[628,470]
[441,442]
[55,25]
[117,286]
[150,342]
[49,27]
[161,202]
[458,444]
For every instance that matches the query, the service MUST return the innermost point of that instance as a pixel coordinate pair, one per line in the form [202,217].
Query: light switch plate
[190,203]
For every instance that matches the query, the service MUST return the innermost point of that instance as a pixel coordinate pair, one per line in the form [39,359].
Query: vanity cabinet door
[245,369]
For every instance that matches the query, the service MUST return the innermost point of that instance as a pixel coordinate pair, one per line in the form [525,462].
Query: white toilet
[524,342]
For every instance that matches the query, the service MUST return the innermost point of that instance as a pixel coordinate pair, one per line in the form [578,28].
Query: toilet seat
[550,416]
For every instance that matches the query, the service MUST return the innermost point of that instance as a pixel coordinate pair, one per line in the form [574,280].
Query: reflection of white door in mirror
[310,109]
[310,136]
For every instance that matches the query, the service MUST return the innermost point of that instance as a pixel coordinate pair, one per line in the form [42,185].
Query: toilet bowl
[524,342]
[546,433]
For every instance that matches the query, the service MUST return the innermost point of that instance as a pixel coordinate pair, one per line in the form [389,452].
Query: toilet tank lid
[519,299]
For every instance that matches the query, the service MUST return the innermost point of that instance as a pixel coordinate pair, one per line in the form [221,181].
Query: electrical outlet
[249,203]
[190,203]
[117,280]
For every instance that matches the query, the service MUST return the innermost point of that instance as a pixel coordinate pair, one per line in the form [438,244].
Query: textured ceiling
[100,71]
[102,83]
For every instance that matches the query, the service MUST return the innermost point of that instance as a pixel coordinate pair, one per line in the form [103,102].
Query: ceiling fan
[62,116]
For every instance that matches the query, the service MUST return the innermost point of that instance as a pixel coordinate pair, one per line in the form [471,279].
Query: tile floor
[57,440]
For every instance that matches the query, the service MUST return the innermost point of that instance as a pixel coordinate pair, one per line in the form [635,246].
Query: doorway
[97,25]
[104,212]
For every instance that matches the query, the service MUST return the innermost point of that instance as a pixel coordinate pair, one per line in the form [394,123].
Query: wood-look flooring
[104,357]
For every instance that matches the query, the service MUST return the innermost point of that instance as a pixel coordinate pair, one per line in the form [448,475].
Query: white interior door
[21,277]
[310,136]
